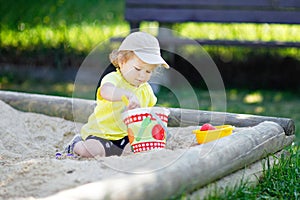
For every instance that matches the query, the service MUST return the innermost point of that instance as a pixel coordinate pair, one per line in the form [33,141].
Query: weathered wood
[187,117]
[80,109]
[212,15]
[182,41]
[200,165]
[216,11]
[257,43]
[63,107]
[266,11]
[217,3]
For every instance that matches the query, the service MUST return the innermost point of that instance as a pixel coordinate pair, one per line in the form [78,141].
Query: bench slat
[245,43]
[289,3]
[167,12]
[218,3]
[220,16]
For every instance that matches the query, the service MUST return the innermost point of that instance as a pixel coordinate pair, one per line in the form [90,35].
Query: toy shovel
[144,124]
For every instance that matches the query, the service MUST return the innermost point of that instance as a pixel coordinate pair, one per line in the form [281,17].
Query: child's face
[136,72]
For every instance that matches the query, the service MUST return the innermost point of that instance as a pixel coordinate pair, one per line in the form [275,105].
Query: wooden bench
[168,12]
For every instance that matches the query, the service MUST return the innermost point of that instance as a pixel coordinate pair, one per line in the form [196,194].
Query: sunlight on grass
[259,110]
[265,32]
[278,97]
[82,37]
[68,87]
[232,94]
[252,98]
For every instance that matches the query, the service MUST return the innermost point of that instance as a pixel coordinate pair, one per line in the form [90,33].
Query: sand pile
[29,168]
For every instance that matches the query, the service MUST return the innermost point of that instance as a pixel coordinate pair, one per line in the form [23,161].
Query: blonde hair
[116,57]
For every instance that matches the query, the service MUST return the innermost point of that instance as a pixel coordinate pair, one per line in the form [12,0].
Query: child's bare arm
[112,93]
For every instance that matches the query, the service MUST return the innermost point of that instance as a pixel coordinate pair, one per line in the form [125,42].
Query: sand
[29,169]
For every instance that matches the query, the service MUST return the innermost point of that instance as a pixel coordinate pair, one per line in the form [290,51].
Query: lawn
[76,27]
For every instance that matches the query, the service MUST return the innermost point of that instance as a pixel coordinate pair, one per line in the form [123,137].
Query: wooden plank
[243,43]
[80,109]
[271,44]
[217,4]
[274,44]
[220,3]
[176,3]
[221,16]
[218,11]
[295,4]
[63,107]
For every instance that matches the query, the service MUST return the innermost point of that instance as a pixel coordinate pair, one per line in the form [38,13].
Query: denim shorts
[112,147]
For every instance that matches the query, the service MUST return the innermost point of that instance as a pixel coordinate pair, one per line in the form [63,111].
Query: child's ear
[120,64]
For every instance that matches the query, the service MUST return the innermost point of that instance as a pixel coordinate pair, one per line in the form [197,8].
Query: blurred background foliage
[76,27]
[20,14]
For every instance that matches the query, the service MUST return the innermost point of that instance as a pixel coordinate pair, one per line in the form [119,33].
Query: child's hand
[133,102]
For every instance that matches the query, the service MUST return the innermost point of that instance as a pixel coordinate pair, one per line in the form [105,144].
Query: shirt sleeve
[109,78]
[152,97]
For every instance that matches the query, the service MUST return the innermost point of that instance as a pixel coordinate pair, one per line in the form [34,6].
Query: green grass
[243,31]
[20,14]
[77,38]
[63,25]
[278,182]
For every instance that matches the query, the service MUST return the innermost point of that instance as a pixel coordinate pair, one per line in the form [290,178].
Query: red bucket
[147,128]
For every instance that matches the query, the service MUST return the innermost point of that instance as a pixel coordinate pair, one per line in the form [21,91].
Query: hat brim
[152,59]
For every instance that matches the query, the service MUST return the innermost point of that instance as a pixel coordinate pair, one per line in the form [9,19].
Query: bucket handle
[160,122]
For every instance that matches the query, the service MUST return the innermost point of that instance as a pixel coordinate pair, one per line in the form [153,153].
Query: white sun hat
[145,46]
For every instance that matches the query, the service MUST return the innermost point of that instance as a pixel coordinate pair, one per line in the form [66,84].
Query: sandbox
[30,139]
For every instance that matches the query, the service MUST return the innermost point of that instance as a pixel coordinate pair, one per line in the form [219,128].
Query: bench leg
[164,34]
[134,26]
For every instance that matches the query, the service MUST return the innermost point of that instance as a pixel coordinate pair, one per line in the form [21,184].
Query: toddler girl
[105,134]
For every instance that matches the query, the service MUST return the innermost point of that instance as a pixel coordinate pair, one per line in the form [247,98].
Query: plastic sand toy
[147,128]
[210,135]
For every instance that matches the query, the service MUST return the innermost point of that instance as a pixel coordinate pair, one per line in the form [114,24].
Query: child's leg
[89,148]
[127,150]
